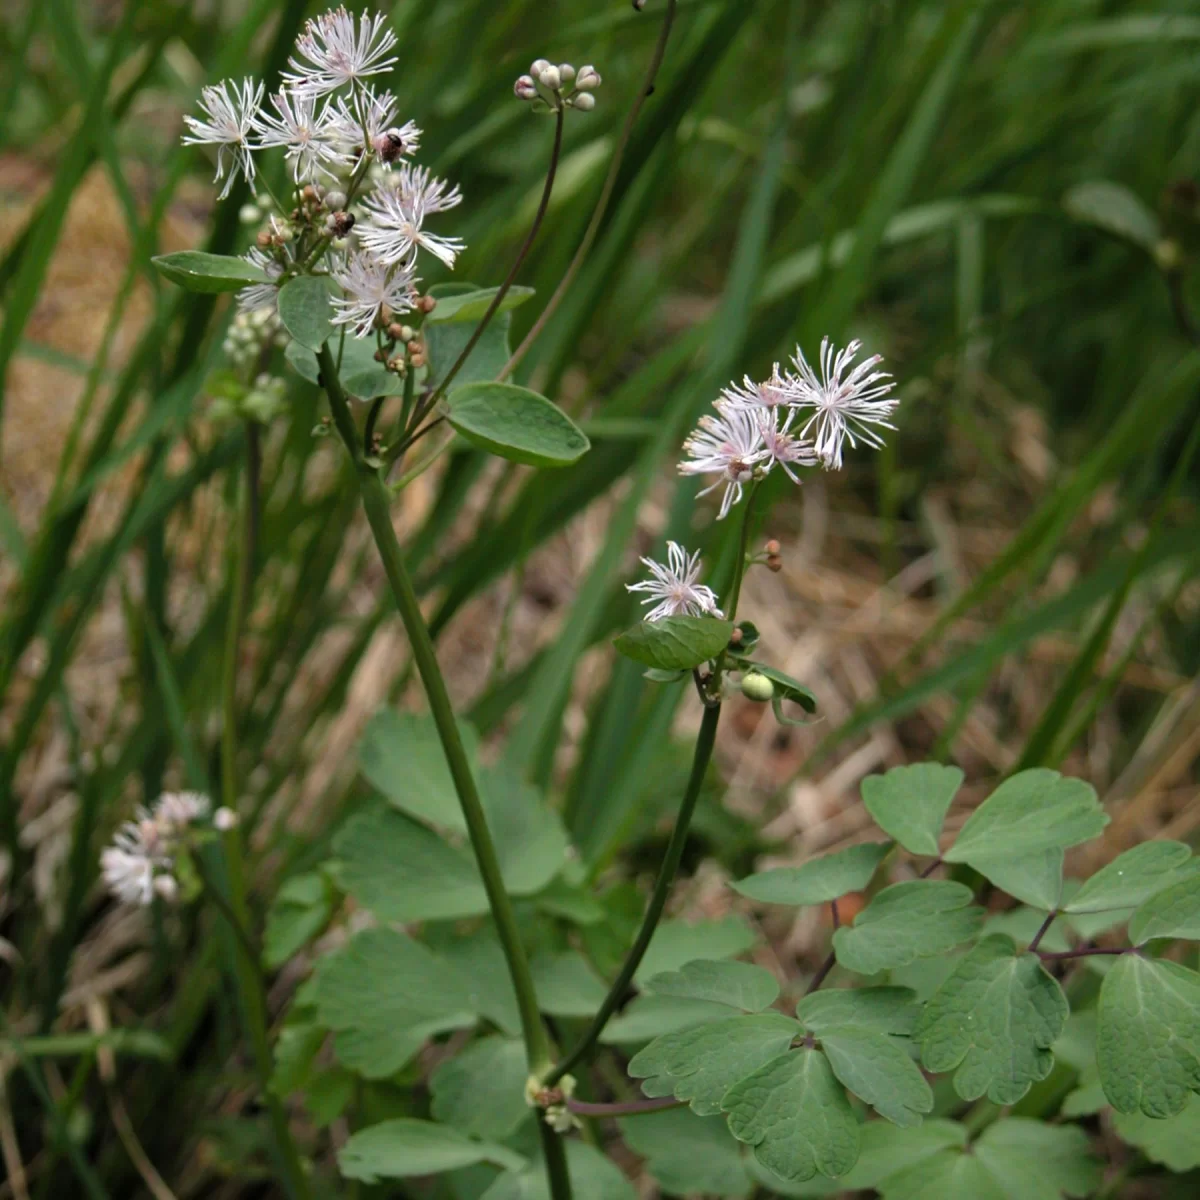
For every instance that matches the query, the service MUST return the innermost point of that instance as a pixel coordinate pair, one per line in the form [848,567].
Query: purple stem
[628,1108]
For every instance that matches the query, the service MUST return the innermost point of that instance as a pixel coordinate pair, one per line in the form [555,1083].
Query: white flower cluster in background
[341,137]
[140,864]
[796,418]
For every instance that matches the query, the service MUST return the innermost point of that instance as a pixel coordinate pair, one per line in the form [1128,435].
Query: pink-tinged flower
[673,589]
[334,51]
[393,229]
[368,285]
[780,445]
[230,110]
[845,404]
[728,445]
[175,811]
[307,133]
[369,123]
[770,394]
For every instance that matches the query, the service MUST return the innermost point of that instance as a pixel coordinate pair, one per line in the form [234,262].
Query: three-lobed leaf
[516,424]
[907,921]
[481,1091]
[910,803]
[406,1148]
[198,271]
[300,910]
[993,1022]
[1130,878]
[879,1070]
[1035,878]
[736,984]
[1034,811]
[305,310]
[1172,913]
[794,1113]
[819,881]
[675,643]
[699,1065]
[687,1154]
[877,1009]
[1172,1141]
[1148,1036]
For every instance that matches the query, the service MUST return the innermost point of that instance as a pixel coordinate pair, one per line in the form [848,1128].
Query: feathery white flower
[395,217]
[339,52]
[128,875]
[674,587]
[139,863]
[309,135]
[374,114]
[261,295]
[175,811]
[782,446]
[728,445]
[843,409]
[369,284]
[230,109]
[770,394]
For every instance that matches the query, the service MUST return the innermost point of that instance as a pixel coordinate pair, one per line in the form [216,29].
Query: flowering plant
[490,945]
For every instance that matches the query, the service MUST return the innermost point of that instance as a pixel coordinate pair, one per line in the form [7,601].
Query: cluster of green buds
[550,88]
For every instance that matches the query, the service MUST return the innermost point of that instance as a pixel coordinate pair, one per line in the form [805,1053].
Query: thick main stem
[376,500]
[251,989]
[701,757]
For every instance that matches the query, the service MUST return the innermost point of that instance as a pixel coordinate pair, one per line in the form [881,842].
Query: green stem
[234,908]
[658,898]
[376,501]
[730,604]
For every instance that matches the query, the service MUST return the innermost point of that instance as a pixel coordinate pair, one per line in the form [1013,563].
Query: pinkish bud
[588,79]
[525,88]
[585,102]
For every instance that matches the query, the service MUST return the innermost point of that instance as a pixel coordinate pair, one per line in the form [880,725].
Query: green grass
[895,169]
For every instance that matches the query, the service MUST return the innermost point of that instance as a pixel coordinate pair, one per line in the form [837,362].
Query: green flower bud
[757,687]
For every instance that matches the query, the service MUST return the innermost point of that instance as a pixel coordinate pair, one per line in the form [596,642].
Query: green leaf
[401,754]
[360,374]
[300,910]
[1022,925]
[786,688]
[699,1065]
[471,306]
[445,341]
[1148,1035]
[1034,811]
[675,643]
[1014,1159]
[1171,913]
[328,1095]
[530,840]
[304,309]
[1034,878]
[197,271]
[910,803]
[1130,878]
[819,881]
[888,1151]
[296,1049]
[481,1091]
[594,1176]
[647,1017]
[1173,1142]
[676,943]
[796,1116]
[567,986]
[994,1019]
[878,1009]
[687,1154]
[385,995]
[880,1071]
[516,424]
[1115,209]
[907,921]
[404,1148]
[737,984]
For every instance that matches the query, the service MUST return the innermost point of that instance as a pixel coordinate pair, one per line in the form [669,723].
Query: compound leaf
[877,1009]
[1033,811]
[688,1155]
[907,921]
[1171,913]
[1130,878]
[482,1090]
[699,1065]
[994,1019]
[819,881]
[880,1071]
[1035,878]
[1148,1036]
[678,942]
[796,1116]
[403,1148]
[910,803]
[737,984]
[1174,1141]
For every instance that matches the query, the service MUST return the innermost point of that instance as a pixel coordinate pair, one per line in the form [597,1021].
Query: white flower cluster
[140,864]
[335,128]
[796,418]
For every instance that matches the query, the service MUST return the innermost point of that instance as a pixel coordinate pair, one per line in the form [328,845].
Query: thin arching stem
[658,898]
[602,203]
[624,1108]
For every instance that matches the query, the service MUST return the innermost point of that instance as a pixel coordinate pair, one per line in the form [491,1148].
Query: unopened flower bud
[566,72]
[550,78]
[249,213]
[639,5]
[539,65]
[1168,255]
[166,887]
[585,102]
[263,240]
[396,332]
[736,637]
[418,359]
[309,192]
[773,547]
[413,347]
[427,304]
[588,79]
[406,333]
[525,88]
[225,819]
[757,687]
[335,201]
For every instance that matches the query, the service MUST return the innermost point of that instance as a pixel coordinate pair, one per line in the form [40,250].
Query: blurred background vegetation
[998,197]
